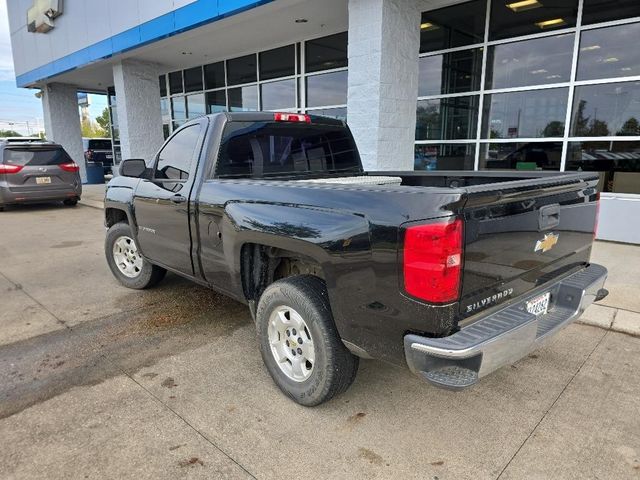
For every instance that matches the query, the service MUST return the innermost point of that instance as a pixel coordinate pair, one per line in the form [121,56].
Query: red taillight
[9,169]
[597,220]
[291,117]
[69,167]
[432,261]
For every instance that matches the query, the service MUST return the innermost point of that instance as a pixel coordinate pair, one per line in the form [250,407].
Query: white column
[62,121]
[384,42]
[138,108]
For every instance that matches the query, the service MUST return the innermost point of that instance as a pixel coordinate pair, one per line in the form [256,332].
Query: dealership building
[550,85]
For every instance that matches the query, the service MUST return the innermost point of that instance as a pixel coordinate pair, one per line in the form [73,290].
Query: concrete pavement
[97,381]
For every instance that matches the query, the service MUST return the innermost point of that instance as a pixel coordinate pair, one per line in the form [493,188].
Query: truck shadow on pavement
[41,367]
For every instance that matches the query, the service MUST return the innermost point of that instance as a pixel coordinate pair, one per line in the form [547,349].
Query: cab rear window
[35,157]
[99,144]
[263,149]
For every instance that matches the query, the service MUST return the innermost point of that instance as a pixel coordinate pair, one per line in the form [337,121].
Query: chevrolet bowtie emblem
[547,243]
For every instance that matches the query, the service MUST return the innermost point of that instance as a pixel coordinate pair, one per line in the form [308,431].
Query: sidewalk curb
[611,318]
[92,204]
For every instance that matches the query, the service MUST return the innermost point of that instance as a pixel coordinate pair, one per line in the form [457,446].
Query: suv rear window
[263,149]
[99,144]
[35,157]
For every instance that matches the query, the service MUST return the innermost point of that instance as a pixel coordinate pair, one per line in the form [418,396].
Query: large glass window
[609,52]
[530,62]
[175,83]
[528,114]
[216,101]
[196,106]
[278,95]
[447,118]
[618,162]
[512,18]
[327,89]
[452,26]
[162,81]
[279,62]
[214,75]
[597,11]
[443,156]
[326,53]
[243,99]
[178,109]
[193,79]
[521,156]
[242,70]
[609,109]
[453,72]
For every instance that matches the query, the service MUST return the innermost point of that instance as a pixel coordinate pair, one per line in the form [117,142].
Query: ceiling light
[536,72]
[554,22]
[552,76]
[611,60]
[426,26]
[524,5]
[592,47]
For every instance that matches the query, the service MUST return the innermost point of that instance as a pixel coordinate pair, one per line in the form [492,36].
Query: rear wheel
[70,202]
[299,342]
[126,263]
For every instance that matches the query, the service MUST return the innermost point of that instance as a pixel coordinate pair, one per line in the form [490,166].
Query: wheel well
[261,265]
[113,216]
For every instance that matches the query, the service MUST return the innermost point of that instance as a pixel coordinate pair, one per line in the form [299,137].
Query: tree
[581,121]
[104,122]
[9,133]
[631,127]
[91,129]
[598,128]
[553,129]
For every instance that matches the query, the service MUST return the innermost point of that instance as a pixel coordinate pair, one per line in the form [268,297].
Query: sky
[19,105]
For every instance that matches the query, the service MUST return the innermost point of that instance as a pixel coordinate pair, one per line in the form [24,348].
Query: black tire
[148,276]
[70,202]
[335,367]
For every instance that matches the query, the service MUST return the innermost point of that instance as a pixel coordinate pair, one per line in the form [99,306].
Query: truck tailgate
[521,235]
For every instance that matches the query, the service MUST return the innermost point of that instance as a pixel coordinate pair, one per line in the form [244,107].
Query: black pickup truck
[454,274]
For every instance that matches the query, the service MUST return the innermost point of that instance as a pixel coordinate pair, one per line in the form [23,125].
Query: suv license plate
[539,305]
[43,180]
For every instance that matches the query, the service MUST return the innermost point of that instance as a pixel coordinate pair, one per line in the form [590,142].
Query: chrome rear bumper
[502,338]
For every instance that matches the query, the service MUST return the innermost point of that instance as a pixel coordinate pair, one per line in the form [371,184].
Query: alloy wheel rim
[126,257]
[291,343]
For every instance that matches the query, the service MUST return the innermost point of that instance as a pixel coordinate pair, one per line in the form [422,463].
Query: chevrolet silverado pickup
[453,274]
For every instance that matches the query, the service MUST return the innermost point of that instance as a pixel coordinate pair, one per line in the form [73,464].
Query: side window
[174,160]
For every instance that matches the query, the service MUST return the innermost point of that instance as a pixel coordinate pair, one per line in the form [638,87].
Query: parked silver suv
[33,171]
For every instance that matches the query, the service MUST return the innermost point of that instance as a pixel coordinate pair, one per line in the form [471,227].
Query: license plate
[539,305]
[43,180]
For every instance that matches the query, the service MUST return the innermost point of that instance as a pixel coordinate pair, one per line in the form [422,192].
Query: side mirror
[133,167]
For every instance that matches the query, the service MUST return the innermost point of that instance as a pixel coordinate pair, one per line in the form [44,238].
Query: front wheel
[126,263]
[299,342]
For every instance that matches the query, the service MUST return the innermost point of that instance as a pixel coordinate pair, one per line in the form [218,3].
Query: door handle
[178,199]
[549,217]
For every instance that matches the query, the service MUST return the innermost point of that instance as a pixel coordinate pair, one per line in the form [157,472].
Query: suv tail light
[69,167]
[432,260]
[291,117]
[9,169]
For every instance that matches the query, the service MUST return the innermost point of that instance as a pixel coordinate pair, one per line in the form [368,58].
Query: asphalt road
[97,381]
